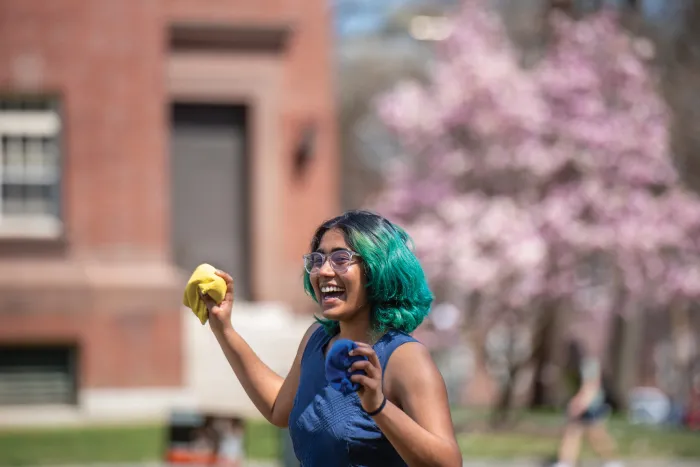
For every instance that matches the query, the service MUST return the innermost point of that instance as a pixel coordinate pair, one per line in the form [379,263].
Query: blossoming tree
[543,188]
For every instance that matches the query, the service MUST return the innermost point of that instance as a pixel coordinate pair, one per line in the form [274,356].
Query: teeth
[331,288]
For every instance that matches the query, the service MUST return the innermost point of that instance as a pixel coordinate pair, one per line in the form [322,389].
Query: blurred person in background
[587,411]
[371,290]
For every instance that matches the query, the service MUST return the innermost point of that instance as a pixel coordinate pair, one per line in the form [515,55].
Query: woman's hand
[220,315]
[370,392]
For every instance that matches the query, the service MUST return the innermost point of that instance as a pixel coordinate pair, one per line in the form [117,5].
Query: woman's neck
[359,329]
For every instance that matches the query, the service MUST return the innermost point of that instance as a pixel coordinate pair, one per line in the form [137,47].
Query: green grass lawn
[535,435]
[633,443]
[111,444]
[77,445]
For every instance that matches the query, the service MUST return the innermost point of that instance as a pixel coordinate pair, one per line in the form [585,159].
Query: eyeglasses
[340,261]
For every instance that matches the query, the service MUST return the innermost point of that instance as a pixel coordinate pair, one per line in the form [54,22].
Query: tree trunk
[501,412]
[544,341]
[684,351]
[502,409]
[629,335]
[481,387]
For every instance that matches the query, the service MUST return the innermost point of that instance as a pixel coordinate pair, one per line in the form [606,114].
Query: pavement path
[474,463]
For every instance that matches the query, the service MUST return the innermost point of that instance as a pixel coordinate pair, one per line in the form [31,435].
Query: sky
[361,17]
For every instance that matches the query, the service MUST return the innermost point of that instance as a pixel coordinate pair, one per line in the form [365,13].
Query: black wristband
[381,407]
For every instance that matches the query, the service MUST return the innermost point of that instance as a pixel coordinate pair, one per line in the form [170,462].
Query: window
[38,375]
[29,168]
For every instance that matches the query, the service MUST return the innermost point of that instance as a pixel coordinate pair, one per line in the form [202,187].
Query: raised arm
[272,395]
[416,418]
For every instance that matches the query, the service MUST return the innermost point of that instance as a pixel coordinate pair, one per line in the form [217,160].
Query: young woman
[587,411]
[370,289]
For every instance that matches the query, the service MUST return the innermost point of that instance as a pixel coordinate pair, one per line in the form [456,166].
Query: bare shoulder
[415,385]
[307,335]
[412,366]
[296,365]
[411,356]
[311,329]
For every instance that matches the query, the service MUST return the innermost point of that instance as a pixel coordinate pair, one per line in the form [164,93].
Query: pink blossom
[514,179]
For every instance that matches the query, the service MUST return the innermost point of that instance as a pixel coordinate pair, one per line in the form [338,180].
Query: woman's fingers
[367,367]
[225,276]
[229,285]
[208,301]
[370,383]
[367,351]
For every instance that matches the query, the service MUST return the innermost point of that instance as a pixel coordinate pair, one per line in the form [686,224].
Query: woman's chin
[335,313]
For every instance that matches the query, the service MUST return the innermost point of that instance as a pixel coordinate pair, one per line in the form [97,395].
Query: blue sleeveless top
[329,428]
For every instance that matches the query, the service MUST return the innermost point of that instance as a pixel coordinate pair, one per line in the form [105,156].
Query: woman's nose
[326,269]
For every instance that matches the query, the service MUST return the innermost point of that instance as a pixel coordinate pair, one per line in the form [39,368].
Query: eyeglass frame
[327,257]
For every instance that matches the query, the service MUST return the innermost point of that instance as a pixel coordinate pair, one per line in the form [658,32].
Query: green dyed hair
[397,289]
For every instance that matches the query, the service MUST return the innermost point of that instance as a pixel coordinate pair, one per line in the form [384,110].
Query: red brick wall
[116,350]
[105,60]
[314,196]
[307,96]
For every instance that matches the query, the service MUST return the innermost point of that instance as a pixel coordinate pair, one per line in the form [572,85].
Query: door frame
[254,81]
[242,256]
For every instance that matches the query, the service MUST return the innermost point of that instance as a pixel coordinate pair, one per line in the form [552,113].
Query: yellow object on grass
[205,281]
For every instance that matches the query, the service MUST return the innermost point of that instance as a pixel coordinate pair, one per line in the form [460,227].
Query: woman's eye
[341,258]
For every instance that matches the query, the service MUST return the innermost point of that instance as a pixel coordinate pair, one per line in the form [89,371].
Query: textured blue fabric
[328,427]
[338,362]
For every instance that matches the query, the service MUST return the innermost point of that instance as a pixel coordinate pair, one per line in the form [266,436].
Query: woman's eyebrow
[338,248]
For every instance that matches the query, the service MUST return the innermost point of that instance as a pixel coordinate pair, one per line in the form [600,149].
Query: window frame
[36,116]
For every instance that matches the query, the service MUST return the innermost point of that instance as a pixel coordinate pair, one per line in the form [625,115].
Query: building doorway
[210,190]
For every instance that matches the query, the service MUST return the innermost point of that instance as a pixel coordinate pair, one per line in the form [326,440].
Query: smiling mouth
[331,293]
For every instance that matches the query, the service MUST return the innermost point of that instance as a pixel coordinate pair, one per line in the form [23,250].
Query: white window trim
[30,226]
[33,123]
[29,123]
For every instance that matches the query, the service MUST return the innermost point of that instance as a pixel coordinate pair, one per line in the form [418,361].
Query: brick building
[140,138]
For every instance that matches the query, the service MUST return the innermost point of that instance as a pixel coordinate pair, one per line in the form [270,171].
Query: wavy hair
[397,289]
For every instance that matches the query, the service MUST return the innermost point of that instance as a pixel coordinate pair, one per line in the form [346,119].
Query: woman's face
[340,287]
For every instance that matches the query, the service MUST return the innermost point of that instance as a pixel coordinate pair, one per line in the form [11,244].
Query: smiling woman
[372,293]
[397,294]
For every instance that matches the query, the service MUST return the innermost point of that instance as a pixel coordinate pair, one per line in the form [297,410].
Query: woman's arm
[271,394]
[590,387]
[416,418]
